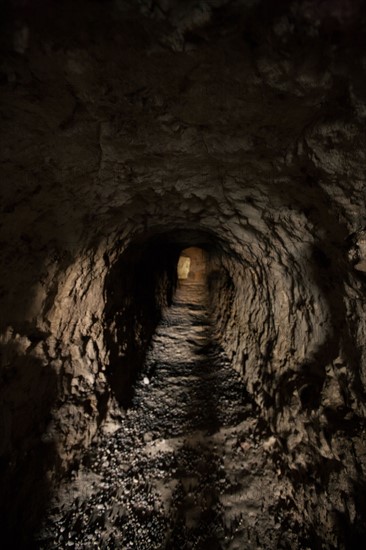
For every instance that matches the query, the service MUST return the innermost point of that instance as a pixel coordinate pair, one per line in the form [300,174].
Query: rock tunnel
[182,275]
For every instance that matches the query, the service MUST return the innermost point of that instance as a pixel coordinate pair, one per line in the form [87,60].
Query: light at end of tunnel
[184,265]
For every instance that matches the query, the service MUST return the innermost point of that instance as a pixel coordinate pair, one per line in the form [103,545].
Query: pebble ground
[190,467]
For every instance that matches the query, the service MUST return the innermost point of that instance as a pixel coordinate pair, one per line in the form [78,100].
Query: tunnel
[182,275]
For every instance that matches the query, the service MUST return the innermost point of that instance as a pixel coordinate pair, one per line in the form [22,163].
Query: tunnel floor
[190,466]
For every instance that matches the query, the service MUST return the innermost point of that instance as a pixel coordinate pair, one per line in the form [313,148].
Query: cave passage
[169,476]
[183,275]
[184,458]
[142,285]
[186,463]
[183,455]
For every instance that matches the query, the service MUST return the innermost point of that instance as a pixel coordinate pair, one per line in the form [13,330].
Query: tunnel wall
[282,318]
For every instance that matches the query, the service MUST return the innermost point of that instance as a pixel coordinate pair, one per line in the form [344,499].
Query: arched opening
[157,270]
[234,127]
[183,268]
[192,270]
[192,266]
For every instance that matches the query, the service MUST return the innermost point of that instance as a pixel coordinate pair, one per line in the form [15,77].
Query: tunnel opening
[174,378]
[153,272]
[181,364]
[139,286]
[192,270]
[192,266]
[136,130]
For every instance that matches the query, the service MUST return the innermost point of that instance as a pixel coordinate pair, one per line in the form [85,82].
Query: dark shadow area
[138,287]
[197,517]
[26,458]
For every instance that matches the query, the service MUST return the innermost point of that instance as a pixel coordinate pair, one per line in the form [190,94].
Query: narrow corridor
[150,147]
[189,467]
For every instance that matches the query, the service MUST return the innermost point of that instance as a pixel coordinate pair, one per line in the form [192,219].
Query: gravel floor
[191,466]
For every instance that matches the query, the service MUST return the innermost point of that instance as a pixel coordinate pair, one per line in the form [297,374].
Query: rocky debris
[189,468]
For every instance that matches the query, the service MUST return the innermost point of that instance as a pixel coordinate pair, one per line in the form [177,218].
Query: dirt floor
[191,466]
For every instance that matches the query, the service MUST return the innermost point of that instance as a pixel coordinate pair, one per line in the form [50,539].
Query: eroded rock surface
[190,466]
[133,130]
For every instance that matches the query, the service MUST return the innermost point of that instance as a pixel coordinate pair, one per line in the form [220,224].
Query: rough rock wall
[243,121]
[289,332]
[139,286]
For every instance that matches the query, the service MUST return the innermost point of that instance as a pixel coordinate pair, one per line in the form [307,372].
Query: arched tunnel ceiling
[178,103]
[123,113]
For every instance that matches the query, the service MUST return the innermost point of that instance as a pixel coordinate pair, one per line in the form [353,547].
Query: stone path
[190,467]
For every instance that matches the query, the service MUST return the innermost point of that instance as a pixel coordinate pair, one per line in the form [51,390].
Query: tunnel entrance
[191,457]
[175,452]
[153,273]
[192,266]
[184,266]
